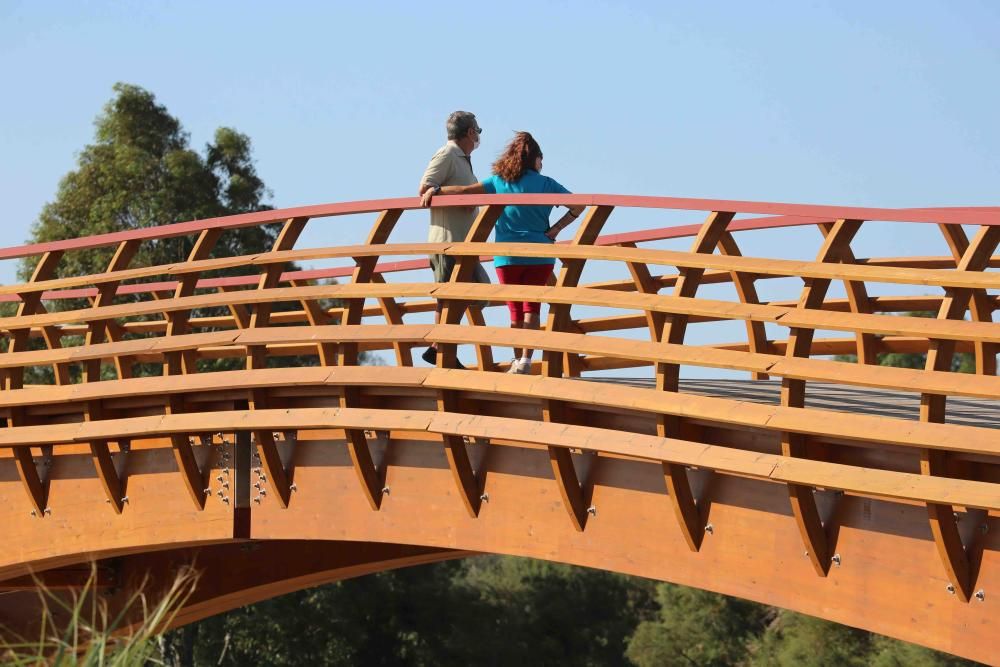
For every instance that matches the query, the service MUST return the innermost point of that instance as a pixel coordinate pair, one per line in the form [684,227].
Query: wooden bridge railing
[172,319]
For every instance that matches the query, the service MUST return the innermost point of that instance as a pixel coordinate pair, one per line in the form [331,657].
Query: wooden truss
[297,338]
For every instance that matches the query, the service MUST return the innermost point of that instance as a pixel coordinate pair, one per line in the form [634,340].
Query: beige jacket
[450,166]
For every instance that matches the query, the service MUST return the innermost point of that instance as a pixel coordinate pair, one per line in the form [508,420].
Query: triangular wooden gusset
[574,473]
[574,477]
[194,476]
[960,555]
[112,475]
[112,481]
[690,504]
[371,476]
[371,472]
[34,477]
[469,481]
[277,472]
[817,523]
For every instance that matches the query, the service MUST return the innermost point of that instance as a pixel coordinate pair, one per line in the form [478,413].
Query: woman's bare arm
[572,214]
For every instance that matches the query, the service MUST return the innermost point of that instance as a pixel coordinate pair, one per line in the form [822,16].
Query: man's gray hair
[459,123]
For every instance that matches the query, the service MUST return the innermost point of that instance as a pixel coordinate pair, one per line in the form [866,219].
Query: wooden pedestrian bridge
[217,410]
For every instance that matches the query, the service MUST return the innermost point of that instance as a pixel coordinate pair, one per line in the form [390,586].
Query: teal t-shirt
[523,224]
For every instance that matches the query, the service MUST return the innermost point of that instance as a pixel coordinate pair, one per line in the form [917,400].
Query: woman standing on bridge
[518,171]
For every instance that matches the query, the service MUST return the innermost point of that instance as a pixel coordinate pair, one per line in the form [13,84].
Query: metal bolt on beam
[385,490]
[293,487]
[981,595]
[592,511]
[835,560]
[485,497]
[709,528]
[950,588]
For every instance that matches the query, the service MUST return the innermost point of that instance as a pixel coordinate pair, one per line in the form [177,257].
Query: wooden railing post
[469,482]
[961,561]
[372,477]
[818,538]
[692,515]
[576,490]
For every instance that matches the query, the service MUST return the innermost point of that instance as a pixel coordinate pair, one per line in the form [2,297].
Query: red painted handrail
[965,216]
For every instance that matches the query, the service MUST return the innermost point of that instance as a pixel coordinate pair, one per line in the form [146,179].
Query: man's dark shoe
[430,355]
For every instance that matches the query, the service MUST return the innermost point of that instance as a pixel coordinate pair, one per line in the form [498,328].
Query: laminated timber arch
[863,494]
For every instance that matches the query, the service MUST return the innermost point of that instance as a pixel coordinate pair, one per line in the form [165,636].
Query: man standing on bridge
[451,165]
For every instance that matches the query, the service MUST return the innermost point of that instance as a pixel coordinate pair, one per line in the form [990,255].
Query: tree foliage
[695,627]
[141,172]
[493,610]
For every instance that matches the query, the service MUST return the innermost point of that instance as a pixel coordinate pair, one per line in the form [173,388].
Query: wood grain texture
[722,484]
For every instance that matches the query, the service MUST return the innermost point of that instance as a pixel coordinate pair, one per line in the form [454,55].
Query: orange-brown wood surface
[301,466]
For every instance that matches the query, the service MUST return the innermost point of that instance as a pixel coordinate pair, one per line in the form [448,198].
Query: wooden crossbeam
[786,470]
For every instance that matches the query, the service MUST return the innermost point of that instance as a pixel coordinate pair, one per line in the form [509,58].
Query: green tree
[894,653]
[487,610]
[549,613]
[697,628]
[141,172]
[796,640]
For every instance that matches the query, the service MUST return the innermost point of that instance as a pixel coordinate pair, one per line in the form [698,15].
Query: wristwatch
[437,189]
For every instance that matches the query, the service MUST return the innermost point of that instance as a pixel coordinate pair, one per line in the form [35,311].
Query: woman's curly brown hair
[517,158]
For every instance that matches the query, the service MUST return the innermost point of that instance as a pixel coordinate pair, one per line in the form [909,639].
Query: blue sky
[866,103]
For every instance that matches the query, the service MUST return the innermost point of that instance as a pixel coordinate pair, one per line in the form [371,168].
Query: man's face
[474,133]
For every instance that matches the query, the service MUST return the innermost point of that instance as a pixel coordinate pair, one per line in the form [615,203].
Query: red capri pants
[524,274]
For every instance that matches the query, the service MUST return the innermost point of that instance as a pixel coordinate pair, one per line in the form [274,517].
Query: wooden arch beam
[371,476]
[470,482]
[692,515]
[961,561]
[576,490]
[818,538]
